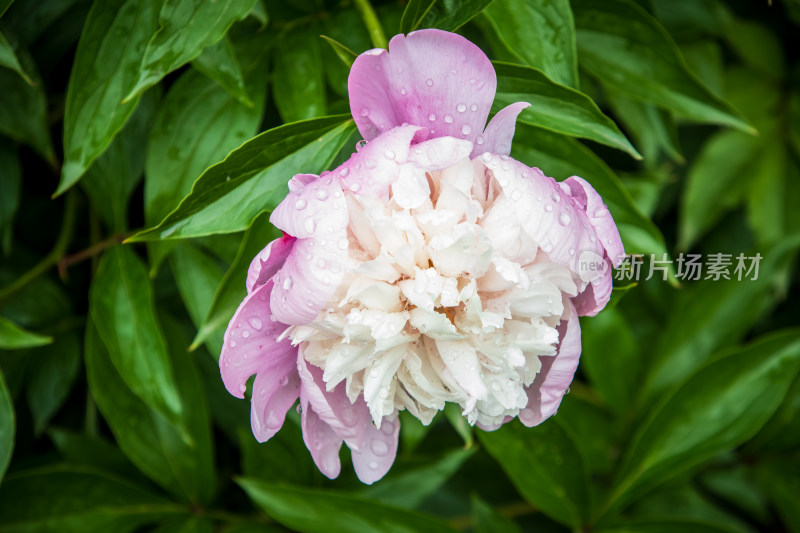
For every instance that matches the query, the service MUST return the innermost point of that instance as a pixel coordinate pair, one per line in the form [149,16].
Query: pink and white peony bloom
[428,268]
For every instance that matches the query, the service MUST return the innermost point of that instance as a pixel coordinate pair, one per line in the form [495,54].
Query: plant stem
[373,24]
[51,259]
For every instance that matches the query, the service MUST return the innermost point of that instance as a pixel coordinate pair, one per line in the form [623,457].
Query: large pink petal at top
[555,376]
[430,78]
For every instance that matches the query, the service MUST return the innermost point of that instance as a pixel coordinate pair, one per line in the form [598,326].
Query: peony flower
[428,268]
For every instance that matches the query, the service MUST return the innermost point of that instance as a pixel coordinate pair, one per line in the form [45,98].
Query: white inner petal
[448,299]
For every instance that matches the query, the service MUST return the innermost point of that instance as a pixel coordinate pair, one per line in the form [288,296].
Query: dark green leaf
[79,500]
[541,33]
[4,4]
[91,451]
[13,337]
[106,64]
[556,107]
[715,410]
[778,434]
[186,524]
[666,526]
[281,458]
[312,511]
[151,442]
[625,47]
[51,372]
[197,276]
[562,157]
[716,182]
[219,63]
[653,128]
[342,52]
[186,27]
[767,190]
[10,178]
[121,306]
[735,485]
[7,426]
[448,15]
[487,520]
[252,179]
[757,45]
[611,358]
[411,487]
[708,316]
[298,82]
[780,479]
[23,110]
[8,59]
[231,290]
[113,176]
[545,465]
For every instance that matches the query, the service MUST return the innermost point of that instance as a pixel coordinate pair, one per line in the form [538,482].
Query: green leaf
[80,449]
[447,15]
[653,128]
[708,316]
[562,157]
[121,306]
[197,276]
[545,465]
[541,33]
[106,64]
[8,59]
[186,524]
[487,520]
[409,488]
[767,190]
[10,183]
[7,427]
[113,176]
[624,46]
[183,466]
[4,5]
[342,52]
[676,525]
[556,107]
[50,375]
[757,45]
[13,337]
[281,458]
[716,182]
[198,125]
[219,63]
[716,409]
[79,500]
[778,434]
[312,511]
[186,27]
[252,179]
[231,290]
[298,83]
[780,479]
[611,358]
[23,110]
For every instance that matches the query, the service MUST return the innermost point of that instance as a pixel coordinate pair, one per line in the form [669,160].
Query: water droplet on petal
[360,144]
[448,119]
[256,323]
[300,204]
[600,213]
[233,343]
[284,381]
[403,91]
[564,219]
[548,208]
[379,448]
[309,225]
[245,334]
[322,195]
[388,154]
[287,283]
[355,186]
[344,172]
[429,82]
[556,197]
[431,117]
[461,108]
[479,140]
[473,107]
[364,112]
[373,465]
[343,243]
[466,129]
[370,163]
[242,388]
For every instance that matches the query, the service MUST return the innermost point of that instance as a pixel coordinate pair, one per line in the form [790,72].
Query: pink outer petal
[428,74]
[317,214]
[499,132]
[373,168]
[599,218]
[553,380]
[249,343]
[275,391]
[268,262]
[546,212]
[323,443]
[375,454]
[596,295]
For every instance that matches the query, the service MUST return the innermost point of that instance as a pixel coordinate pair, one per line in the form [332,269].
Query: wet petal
[311,209]
[429,78]
[377,450]
[555,376]
[274,392]
[323,443]
[268,261]
[599,218]
[498,134]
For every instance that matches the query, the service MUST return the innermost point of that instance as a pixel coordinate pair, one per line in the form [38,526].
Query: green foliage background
[177,123]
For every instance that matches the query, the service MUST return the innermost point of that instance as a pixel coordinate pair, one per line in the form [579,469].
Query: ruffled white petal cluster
[446,299]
